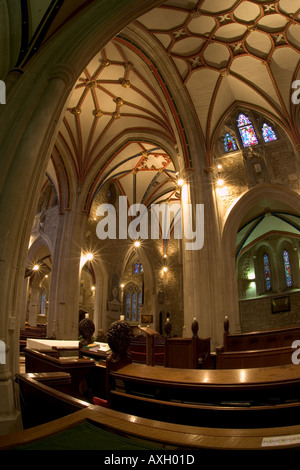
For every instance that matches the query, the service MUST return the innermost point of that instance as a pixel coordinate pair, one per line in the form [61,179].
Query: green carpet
[85,436]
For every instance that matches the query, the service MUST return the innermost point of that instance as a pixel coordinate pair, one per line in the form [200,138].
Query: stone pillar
[34,305]
[203,270]
[20,169]
[63,310]
[24,302]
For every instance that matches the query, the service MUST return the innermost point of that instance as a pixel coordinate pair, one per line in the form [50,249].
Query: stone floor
[22,364]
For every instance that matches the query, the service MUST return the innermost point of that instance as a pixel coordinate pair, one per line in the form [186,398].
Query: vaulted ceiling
[123,122]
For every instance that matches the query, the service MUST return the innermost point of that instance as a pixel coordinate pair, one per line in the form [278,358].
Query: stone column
[34,305]
[19,196]
[203,270]
[63,310]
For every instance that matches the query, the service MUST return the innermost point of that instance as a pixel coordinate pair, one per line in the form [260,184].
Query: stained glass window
[268,133]
[267,272]
[133,302]
[138,267]
[229,143]
[247,131]
[287,269]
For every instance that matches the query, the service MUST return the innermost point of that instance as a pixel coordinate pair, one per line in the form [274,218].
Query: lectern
[150,334]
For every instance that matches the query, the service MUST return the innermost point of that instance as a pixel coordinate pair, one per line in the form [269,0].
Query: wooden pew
[188,353]
[87,376]
[137,349]
[251,359]
[266,339]
[39,331]
[111,430]
[181,353]
[256,349]
[46,396]
[239,398]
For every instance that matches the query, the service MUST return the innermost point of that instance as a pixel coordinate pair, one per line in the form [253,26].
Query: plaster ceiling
[266,224]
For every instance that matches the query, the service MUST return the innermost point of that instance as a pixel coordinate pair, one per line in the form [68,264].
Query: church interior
[113,110]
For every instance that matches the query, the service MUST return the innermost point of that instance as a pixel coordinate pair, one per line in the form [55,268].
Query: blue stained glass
[267,272]
[268,133]
[247,131]
[128,306]
[133,306]
[138,268]
[229,143]
[287,269]
[139,303]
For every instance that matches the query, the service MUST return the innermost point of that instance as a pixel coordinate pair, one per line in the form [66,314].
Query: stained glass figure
[247,131]
[287,269]
[268,133]
[267,272]
[229,143]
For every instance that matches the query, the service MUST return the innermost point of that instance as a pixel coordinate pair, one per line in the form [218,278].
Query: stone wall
[256,314]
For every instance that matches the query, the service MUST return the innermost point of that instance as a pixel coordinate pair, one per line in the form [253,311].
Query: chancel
[117,117]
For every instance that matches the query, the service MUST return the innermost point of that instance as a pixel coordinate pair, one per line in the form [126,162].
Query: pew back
[267,339]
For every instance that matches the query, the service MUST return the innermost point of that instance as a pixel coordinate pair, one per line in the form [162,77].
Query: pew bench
[265,339]
[95,428]
[239,398]
[87,376]
[255,358]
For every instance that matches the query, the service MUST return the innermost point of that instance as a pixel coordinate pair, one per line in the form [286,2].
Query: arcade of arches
[166,103]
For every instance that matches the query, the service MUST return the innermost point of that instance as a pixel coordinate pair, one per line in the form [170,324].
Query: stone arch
[149,294]
[230,229]
[39,242]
